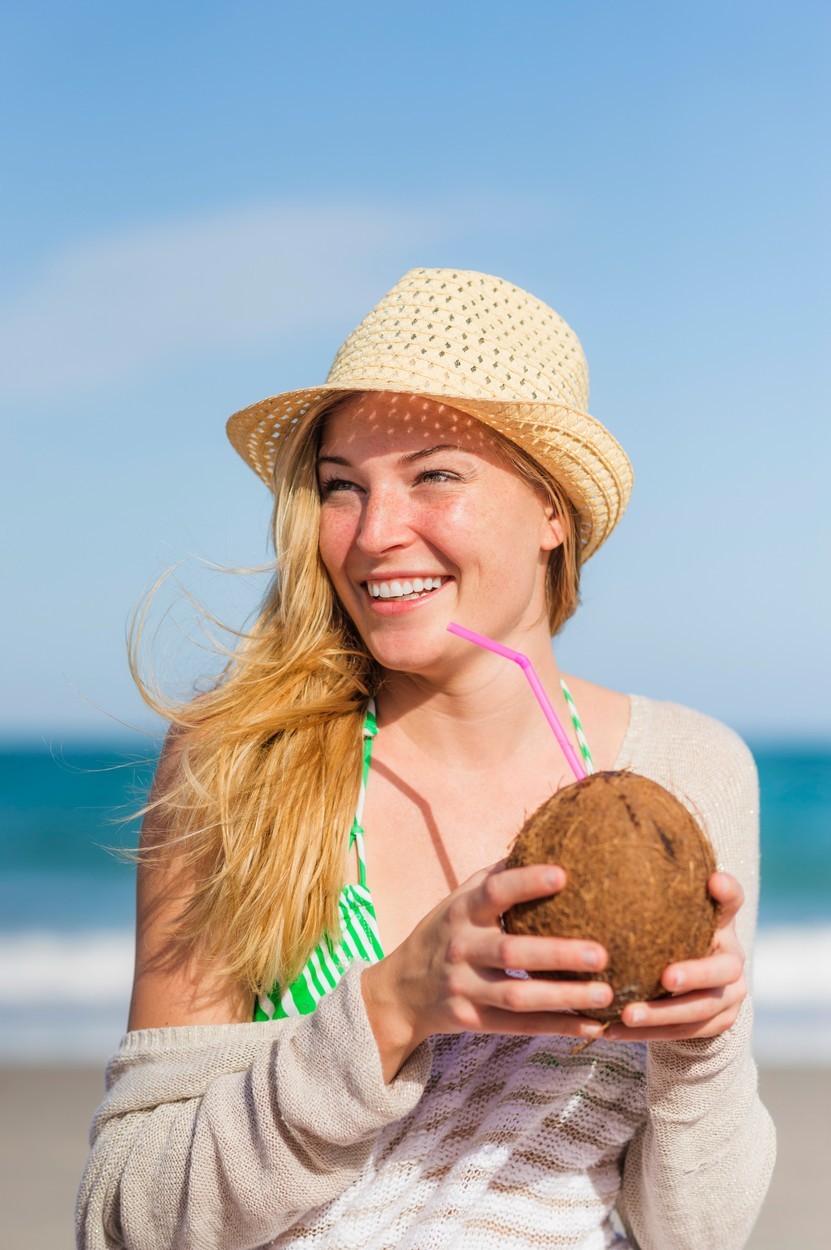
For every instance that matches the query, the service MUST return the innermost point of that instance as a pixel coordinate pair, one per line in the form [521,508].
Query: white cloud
[103,310]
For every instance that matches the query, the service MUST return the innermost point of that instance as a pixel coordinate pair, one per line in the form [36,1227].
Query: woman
[400,1085]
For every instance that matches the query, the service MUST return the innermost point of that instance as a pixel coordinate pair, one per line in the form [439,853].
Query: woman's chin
[414,661]
[425,651]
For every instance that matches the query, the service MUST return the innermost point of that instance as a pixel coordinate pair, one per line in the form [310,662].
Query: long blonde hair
[267,762]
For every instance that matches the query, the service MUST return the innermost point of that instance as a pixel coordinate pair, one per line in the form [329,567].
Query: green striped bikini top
[359,928]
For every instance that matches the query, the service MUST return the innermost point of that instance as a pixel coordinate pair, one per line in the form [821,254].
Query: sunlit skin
[420,490]
[411,488]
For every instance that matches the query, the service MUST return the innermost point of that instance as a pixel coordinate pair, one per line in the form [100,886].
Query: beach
[47,1110]
[66,959]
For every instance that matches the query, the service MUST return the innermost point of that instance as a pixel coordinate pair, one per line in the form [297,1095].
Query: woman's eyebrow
[428,451]
[409,458]
[334,460]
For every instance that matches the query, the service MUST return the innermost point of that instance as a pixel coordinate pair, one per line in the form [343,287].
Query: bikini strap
[578,728]
[356,833]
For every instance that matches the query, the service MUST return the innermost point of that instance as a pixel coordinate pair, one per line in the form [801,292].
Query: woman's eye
[340,485]
[336,484]
[438,475]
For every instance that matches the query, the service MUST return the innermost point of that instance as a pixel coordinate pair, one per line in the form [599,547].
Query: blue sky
[199,202]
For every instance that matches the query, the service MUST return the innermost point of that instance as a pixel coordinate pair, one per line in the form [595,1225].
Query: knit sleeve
[220,1137]
[698,1169]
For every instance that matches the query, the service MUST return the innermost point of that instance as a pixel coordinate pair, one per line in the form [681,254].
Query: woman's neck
[470,721]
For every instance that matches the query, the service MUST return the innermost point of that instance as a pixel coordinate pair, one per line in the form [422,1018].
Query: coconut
[637,865]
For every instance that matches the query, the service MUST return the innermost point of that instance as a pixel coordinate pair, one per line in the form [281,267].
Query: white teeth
[407,589]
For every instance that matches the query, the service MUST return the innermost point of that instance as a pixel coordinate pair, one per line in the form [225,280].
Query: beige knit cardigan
[236,1137]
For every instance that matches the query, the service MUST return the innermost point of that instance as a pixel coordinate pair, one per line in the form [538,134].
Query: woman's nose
[386,521]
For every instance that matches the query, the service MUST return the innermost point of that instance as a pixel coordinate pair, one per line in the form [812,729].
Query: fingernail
[590,959]
[676,980]
[637,1015]
[552,878]
[599,995]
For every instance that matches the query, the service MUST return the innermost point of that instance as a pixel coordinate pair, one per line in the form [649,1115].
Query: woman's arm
[699,1168]
[218,1137]
[171,985]
[219,1132]
[697,1171]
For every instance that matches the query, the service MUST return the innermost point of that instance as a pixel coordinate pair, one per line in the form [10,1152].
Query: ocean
[67,906]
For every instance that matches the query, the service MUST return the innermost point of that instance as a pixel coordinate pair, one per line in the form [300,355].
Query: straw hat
[487,349]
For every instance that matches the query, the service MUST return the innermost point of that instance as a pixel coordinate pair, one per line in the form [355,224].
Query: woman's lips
[400,594]
[405,586]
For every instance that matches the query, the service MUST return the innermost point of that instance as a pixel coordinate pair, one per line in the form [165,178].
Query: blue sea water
[67,908]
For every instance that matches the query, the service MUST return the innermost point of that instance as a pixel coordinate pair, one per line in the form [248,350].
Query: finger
[729,895]
[537,1023]
[673,1033]
[476,878]
[481,874]
[500,890]
[687,1009]
[723,968]
[521,996]
[492,949]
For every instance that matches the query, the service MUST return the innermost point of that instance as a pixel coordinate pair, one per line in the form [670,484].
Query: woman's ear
[553,530]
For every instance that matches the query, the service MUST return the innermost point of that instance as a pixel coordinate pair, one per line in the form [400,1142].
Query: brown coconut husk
[637,865]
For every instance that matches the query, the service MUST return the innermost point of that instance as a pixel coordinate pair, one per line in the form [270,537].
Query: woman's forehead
[400,421]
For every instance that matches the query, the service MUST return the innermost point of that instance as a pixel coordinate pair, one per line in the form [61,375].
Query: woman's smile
[400,586]
[396,592]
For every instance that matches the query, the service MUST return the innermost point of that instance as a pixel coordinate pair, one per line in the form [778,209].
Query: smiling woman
[322,872]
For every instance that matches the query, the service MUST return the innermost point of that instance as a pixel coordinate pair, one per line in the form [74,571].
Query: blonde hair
[262,793]
[562,583]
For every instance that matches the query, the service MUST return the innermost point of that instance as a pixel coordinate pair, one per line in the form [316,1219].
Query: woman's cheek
[451,519]
[337,533]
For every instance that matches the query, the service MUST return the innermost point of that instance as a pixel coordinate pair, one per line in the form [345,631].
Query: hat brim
[576,449]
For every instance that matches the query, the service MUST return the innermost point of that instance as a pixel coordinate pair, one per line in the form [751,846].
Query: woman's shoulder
[633,730]
[683,739]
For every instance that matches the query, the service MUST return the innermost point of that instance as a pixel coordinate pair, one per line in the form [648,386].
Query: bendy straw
[536,685]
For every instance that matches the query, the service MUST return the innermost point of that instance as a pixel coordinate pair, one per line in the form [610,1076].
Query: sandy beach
[46,1113]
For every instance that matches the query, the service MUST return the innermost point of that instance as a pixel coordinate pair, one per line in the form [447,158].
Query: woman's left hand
[706,993]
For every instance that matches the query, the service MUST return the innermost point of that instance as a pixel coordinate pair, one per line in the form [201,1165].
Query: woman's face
[422,523]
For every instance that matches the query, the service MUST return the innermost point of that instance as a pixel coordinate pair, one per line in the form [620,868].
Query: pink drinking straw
[536,685]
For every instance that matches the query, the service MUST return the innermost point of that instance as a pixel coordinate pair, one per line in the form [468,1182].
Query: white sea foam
[64,996]
[792,967]
[93,967]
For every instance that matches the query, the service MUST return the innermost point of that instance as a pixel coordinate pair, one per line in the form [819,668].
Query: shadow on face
[411,419]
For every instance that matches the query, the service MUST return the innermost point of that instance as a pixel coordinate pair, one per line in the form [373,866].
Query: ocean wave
[790,966]
[96,967]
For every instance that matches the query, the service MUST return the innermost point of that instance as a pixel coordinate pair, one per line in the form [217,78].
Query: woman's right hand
[449,975]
